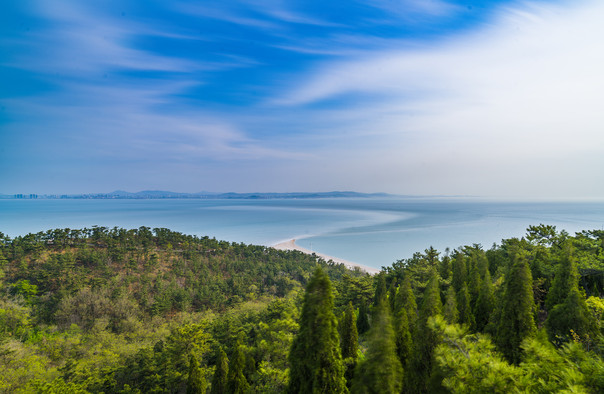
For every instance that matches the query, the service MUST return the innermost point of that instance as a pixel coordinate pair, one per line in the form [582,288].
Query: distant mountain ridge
[162,194]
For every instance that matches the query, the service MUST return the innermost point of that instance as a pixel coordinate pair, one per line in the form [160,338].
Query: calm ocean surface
[371,231]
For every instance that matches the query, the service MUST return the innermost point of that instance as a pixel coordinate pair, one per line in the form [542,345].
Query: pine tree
[475,280]
[405,299]
[219,382]
[431,304]
[350,336]
[315,359]
[196,383]
[349,341]
[567,278]
[403,338]
[417,376]
[485,302]
[380,290]
[392,294]
[459,272]
[571,320]
[463,306]
[363,319]
[236,381]
[381,370]
[516,321]
[445,268]
[450,311]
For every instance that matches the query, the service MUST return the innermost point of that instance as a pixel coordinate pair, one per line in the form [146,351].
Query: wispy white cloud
[522,93]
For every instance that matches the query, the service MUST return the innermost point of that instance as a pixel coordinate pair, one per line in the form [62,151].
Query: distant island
[160,194]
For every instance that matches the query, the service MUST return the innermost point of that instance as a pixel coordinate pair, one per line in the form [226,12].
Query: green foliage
[572,320]
[463,305]
[315,359]
[196,383]
[381,370]
[363,319]
[485,302]
[219,382]
[516,322]
[469,363]
[236,381]
[381,290]
[567,278]
[450,311]
[417,373]
[405,299]
[115,310]
[349,341]
[403,338]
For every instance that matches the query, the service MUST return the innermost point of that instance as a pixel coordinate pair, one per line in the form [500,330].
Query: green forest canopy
[152,310]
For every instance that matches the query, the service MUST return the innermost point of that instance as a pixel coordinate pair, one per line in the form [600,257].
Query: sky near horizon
[427,97]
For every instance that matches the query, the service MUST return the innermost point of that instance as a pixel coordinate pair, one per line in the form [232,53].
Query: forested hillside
[124,311]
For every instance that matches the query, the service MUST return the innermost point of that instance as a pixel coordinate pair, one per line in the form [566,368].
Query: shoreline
[291,245]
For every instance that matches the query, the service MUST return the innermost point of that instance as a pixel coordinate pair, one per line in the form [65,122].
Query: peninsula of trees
[155,311]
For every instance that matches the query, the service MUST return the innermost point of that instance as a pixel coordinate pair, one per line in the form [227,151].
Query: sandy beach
[291,245]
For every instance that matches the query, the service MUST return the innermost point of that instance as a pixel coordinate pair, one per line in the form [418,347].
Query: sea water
[372,231]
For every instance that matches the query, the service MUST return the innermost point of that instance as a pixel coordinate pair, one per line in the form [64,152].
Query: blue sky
[491,98]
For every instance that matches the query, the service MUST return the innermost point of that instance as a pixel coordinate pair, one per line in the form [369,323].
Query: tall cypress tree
[405,299]
[417,377]
[236,382]
[571,320]
[380,290]
[381,370]
[403,338]
[516,321]
[463,306]
[350,336]
[567,278]
[196,383]
[315,358]
[349,341]
[363,319]
[485,303]
[459,272]
[450,311]
[219,382]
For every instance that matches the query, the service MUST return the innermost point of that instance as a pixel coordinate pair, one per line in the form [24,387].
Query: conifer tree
[315,359]
[350,336]
[381,370]
[516,321]
[567,278]
[219,382]
[392,294]
[363,319]
[380,290]
[431,304]
[445,268]
[475,281]
[349,341]
[459,272]
[485,302]
[571,320]
[403,338]
[450,311]
[416,378]
[463,306]
[196,383]
[405,299]
[236,381]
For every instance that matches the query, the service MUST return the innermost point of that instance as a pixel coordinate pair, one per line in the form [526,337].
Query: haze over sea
[371,231]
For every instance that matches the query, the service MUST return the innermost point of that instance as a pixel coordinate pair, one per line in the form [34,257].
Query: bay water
[371,231]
